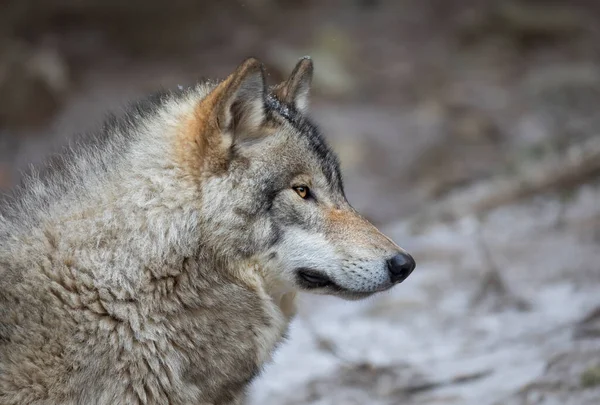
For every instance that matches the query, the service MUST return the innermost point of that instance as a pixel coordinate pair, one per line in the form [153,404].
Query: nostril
[400,267]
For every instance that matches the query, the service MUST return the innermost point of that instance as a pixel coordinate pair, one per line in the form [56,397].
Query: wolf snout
[400,267]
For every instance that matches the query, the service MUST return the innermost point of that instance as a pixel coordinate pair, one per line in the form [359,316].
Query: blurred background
[468,130]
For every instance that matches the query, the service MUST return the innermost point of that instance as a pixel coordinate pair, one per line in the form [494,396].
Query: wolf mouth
[310,278]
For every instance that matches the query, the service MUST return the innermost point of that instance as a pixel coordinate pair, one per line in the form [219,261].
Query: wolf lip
[310,278]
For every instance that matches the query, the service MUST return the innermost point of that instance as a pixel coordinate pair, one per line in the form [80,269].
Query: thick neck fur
[128,198]
[116,248]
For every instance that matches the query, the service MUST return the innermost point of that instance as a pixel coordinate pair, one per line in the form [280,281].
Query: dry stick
[493,283]
[323,343]
[331,348]
[589,326]
[578,164]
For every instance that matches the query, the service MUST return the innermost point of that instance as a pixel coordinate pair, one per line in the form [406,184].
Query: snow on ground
[426,342]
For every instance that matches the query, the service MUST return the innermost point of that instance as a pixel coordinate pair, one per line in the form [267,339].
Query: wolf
[158,261]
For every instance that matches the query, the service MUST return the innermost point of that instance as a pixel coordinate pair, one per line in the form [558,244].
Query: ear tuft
[241,108]
[295,90]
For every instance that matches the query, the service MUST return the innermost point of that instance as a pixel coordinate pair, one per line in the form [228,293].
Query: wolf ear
[295,90]
[240,110]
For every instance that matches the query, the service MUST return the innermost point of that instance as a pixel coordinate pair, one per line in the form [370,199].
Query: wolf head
[272,191]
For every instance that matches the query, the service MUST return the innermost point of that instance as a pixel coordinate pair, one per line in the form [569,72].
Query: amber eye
[302,191]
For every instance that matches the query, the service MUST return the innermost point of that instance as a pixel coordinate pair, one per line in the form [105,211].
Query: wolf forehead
[304,128]
[311,136]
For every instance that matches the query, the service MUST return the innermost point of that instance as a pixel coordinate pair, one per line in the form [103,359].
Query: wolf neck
[282,296]
[128,203]
[133,223]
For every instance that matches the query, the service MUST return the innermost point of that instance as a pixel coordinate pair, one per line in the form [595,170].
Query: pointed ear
[295,90]
[240,110]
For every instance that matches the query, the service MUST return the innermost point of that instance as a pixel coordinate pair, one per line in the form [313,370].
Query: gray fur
[127,278]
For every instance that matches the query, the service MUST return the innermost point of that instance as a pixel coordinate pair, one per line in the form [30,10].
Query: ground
[467,131]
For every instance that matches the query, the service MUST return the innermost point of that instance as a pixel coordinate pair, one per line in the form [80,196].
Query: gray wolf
[157,262]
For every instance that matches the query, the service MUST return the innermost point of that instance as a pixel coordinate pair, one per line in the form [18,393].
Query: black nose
[400,267]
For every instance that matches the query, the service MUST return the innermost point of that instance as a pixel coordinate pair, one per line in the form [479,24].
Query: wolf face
[273,192]
[159,264]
